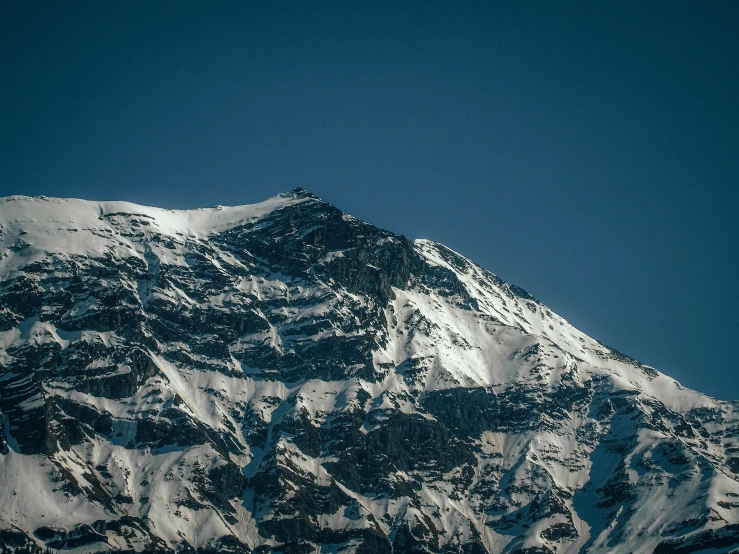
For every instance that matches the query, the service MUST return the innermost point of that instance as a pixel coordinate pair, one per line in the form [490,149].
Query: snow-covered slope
[283,377]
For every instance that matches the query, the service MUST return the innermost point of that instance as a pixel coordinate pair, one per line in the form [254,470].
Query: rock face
[282,377]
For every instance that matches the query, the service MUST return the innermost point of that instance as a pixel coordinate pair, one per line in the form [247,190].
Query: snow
[69,227]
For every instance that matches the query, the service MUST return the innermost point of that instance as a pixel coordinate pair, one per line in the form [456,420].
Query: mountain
[282,377]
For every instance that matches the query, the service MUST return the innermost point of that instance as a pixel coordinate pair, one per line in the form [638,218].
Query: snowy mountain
[282,377]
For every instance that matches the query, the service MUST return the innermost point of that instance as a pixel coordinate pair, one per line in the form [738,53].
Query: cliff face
[283,377]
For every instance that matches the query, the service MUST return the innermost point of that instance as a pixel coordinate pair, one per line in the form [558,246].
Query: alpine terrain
[282,377]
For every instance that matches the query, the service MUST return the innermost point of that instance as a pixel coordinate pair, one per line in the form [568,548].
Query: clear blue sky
[586,151]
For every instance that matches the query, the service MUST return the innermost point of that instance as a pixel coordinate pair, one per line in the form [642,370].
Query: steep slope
[283,377]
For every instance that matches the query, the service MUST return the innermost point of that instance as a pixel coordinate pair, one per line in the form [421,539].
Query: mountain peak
[299,192]
[282,377]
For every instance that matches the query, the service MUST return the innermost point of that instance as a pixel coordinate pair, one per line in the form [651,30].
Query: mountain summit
[282,377]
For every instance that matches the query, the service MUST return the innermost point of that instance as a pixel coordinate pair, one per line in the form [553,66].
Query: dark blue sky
[588,152]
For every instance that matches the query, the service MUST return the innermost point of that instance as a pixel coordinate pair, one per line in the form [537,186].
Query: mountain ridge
[284,377]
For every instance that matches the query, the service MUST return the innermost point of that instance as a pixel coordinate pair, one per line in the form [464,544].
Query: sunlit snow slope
[282,377]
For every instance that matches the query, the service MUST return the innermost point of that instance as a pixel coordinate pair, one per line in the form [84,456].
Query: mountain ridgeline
[282,377]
